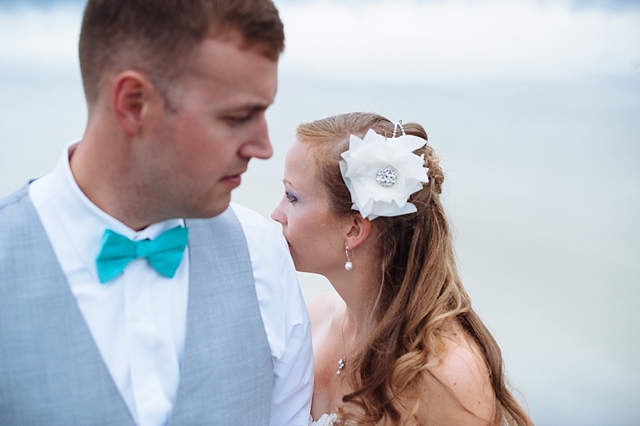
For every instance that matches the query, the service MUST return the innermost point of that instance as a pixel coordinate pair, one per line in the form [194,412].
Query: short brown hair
[157,36]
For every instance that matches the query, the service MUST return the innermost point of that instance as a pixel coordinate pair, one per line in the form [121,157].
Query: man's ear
[359,231]
[133,97]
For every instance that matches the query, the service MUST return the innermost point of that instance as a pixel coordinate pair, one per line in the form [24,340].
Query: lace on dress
[324,420]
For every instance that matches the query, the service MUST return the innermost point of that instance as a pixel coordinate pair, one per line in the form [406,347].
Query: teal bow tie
[164,253]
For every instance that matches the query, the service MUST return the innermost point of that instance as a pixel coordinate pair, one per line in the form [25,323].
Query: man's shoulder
[254,222]
[266,244]
[13,198]
[15,212]
[265,241]
[18,221]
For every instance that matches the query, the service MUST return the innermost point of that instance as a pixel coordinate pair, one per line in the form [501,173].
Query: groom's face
[217,124]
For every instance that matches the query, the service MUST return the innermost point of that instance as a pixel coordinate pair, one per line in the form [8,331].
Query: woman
[397,342]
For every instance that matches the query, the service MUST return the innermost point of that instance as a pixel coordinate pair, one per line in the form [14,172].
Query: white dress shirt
[138,319]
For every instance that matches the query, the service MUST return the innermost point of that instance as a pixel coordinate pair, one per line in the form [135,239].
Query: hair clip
[395,129]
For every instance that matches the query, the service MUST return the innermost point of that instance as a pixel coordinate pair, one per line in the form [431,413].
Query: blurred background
[534,108]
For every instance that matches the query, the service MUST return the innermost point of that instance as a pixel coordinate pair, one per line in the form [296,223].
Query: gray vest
[51,372]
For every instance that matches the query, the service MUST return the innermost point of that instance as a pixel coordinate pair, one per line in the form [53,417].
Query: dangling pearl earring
[348,266]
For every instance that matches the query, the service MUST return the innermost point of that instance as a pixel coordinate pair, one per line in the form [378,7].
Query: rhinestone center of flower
[387,177]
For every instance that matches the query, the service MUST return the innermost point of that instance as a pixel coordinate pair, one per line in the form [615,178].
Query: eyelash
[290,197]
[241,120]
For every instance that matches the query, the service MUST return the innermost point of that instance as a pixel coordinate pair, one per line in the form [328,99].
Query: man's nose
[259,146]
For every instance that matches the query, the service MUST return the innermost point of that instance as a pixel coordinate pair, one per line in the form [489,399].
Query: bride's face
[316,235]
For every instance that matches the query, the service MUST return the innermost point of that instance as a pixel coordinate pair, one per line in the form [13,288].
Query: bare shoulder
[322,308]
[458,390]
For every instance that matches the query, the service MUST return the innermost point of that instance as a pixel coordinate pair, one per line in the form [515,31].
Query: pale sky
[453,42]
[458,41]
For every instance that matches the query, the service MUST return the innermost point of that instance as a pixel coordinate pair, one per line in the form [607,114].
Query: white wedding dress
[325,420]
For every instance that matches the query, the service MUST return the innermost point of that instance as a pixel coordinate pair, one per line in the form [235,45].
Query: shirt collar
[85,222]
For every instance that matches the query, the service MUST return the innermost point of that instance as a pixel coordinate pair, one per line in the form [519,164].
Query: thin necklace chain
[342,362]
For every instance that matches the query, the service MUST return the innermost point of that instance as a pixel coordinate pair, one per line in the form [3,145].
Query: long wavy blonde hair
[420,296]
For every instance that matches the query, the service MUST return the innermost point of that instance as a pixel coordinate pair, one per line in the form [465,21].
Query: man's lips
[233,180]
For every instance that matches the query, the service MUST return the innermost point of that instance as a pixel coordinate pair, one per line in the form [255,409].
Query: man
[106,318]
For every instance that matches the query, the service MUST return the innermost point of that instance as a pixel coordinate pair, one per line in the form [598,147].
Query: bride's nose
[277,214]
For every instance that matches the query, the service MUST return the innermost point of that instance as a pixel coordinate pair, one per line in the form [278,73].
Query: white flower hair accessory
[382,173]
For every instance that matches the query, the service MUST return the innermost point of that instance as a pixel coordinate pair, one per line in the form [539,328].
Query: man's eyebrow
[256,107]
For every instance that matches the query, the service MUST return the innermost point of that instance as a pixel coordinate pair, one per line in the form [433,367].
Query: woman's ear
[359,231]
